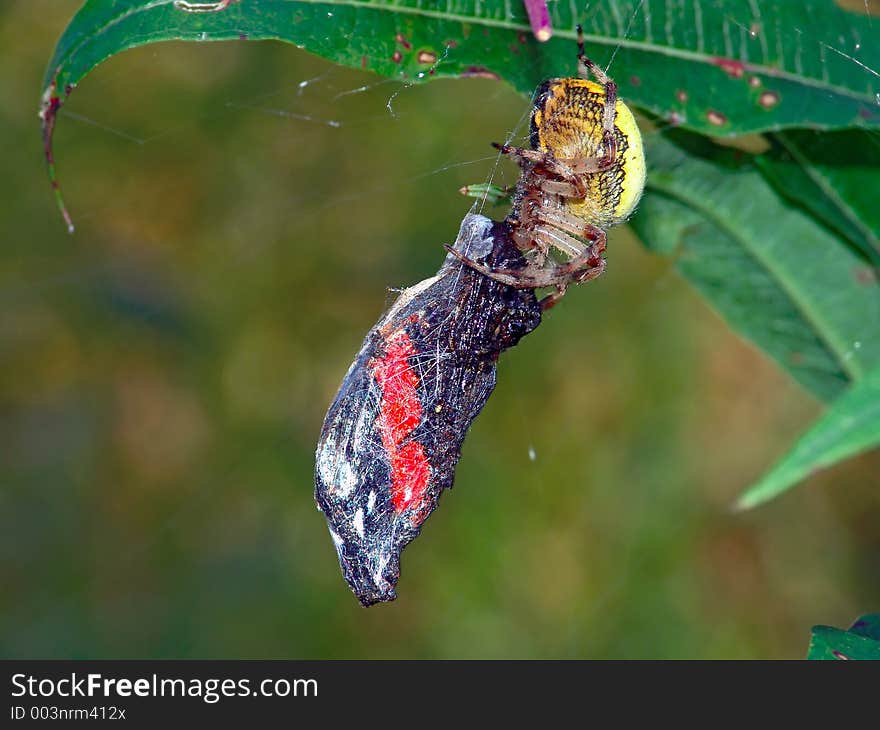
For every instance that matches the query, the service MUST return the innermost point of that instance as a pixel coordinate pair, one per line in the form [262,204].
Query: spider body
[567,124]
[584,173]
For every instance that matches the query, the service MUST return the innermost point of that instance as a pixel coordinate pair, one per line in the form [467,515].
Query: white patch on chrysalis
[326,461]
[361,438]
[358,523]
[346,480]
[337,542]
[338,475]
[377,574]
[475,237]
[371,502]
[406,296]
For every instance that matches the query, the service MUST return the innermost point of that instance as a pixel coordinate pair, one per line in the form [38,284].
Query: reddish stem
[539,17]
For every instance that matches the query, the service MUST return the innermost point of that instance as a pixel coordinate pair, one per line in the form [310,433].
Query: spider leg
[519,154]
[568,169]
[586,266]
[511,277]
[558,239]
[550,300]
[586,262]
[587,68]
[587,165]
[570,223]
[589,265]
[557,187]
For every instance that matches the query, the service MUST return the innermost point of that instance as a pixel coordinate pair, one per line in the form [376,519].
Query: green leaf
[834,176]
[861,641]
[726,67]
[867,626]
[851,425]
[776,275]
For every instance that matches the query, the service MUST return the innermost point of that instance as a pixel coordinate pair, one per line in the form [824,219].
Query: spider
[584,173]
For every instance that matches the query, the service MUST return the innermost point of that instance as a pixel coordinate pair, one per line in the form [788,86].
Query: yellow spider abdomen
[567,122]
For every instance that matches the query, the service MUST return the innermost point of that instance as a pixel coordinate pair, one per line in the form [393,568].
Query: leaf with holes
[725,68]
[860,641]
[776,275]
[851,425]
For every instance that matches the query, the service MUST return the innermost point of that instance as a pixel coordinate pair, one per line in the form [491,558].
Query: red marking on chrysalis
[400,412]
[410,473]
[733,68]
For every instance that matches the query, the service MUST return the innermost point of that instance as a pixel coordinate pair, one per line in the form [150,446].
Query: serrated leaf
[776,275]
[834,176]
[726,67]
[849,426]
[861,641]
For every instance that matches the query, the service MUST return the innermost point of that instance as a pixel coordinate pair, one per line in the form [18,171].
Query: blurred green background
[164,373]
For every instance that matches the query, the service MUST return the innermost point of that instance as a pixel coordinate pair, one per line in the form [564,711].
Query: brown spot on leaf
[854,6]
[675,118]
[716,118]
[635,81]
[768,99]
[363,61]
[522,38]
[682,96]
[754,82]
[197,7]
[450,44]
[866,275]
[479,72]
[403,41]
[733,68]
[397,57]
[427,57]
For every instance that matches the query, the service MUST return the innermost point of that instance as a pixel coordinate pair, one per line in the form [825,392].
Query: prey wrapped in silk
[393,434]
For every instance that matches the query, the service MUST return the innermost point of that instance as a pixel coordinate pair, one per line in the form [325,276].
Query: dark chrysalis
[393,434]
